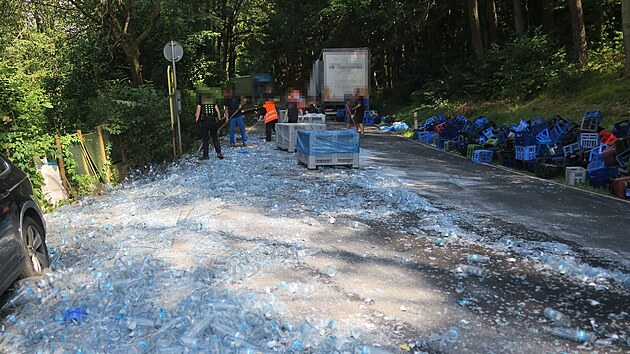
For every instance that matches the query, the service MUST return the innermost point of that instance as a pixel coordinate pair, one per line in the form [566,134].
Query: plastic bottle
[557,317]
[574,334]
[473,270]
[134,322]
[23,296]
[373,350]
[449,339]
[194,335]
[477,258]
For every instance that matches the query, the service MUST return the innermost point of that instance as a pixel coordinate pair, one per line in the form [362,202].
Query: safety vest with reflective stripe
[271,114]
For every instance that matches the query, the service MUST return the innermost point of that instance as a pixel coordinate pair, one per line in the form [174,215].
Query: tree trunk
[625,16]
[518,17]
[132,53]
[547,15]
[493,23]
[579,32]
[475,29]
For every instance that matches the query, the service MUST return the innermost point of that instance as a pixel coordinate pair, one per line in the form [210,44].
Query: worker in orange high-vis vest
[270,114]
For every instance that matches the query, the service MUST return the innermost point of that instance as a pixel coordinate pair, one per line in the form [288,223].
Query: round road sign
[173,51]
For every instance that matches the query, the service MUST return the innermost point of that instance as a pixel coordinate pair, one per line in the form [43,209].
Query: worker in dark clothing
[270,115]
[358,112]
[292,112]
[208,116]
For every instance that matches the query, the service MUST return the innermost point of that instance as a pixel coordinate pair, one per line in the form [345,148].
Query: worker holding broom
[234,115]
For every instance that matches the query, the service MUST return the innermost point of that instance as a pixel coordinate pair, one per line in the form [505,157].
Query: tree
[578,30]
[493,25]
[625,16]
[475,28]
[125,25]
[518,17]
[547,10]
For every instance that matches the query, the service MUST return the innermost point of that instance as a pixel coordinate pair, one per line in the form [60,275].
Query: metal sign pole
[174,54]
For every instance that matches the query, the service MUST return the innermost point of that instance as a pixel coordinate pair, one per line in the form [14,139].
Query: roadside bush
[516,69]
[141,117]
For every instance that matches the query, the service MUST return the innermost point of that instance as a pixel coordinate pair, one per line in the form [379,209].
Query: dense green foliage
[79,64]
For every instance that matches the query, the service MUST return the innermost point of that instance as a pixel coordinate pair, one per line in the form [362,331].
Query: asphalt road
[515,202]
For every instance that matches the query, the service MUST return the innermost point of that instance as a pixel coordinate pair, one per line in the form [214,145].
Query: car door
[10,247]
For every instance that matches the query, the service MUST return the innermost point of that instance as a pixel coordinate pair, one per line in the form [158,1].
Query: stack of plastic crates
[525,153]
[525,148]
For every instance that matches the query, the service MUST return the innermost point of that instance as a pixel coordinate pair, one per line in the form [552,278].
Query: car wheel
[35,248]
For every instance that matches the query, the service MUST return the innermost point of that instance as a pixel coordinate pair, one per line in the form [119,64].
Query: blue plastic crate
[525,153]
[525,138]
[559,131]
[426,137]
[481,122]
[482,156]
[441,117]
[538,120]
[600,178]
[469,129]
[591,121]
[488,133]
[520,127]
[596,154]
[571,149]
[537,124]
[440,143]
[450,131]
[461,119]
[594,166]
[544,137]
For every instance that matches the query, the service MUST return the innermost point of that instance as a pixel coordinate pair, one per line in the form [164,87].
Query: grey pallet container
[335,159]
[286,133]
[312,118]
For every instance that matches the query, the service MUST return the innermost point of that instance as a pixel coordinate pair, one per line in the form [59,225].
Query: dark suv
[23,250]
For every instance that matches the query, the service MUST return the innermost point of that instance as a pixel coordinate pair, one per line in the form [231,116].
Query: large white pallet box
[286,133]
[312,118]
[328,148]
[334,159]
